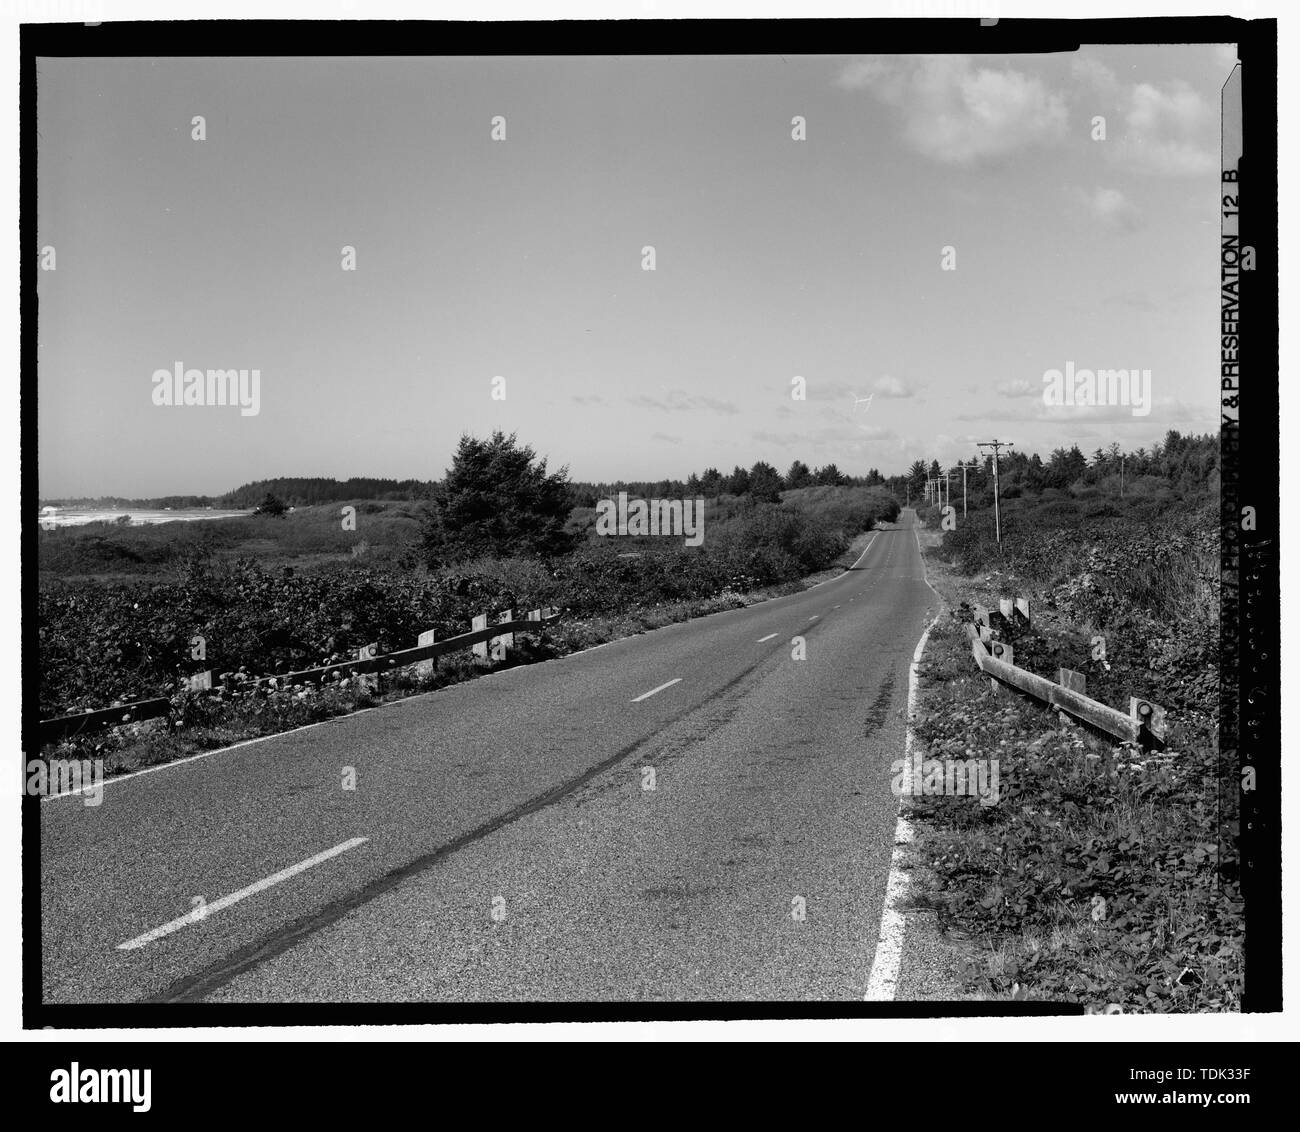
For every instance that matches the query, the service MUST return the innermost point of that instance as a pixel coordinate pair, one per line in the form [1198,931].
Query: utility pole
[947,489]
[1121,476]
[964,468]
[997,446]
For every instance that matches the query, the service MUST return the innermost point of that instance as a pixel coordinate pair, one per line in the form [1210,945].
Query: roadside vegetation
[1106,875]
[120,608]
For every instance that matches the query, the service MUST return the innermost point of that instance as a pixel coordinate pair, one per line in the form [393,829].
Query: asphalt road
[501,841]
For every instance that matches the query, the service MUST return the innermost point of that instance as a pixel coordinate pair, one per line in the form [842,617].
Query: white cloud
[956,112]
[1094,73]
[679,401]
[1110,206]
[820,390]
[1018,387]
[1167,130]
[888,386]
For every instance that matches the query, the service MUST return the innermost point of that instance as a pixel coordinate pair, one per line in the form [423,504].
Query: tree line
[762,482]
[1187,464]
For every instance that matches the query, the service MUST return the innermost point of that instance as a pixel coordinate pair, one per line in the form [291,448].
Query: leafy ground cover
[103,643]
[1105,875]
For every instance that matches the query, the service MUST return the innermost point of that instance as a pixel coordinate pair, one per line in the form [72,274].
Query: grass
[1105,876]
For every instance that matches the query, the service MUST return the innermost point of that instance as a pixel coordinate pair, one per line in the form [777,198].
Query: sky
[523,258]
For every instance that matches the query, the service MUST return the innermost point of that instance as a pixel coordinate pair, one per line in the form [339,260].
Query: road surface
[700,812]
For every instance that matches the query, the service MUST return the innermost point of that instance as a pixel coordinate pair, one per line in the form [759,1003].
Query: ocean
[78,516]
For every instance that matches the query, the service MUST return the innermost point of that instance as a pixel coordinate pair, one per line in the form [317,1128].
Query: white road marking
[209,754]
[204,911]
[864,552]
[814,617]
[882,983]
[836,606]
[851,568]
[654,691]
[767,638]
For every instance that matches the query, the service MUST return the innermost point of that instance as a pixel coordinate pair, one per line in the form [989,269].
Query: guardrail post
[1022,608]
[1073,681]
[1006,607]
[1150,715]
[481,649]
[986,635]
[981,616]
[426,668]
[369,681]
[199,682]
[502,644]
[1004,653]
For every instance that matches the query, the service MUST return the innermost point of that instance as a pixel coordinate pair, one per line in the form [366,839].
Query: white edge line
[850,570]
[207,754]
[654,691]
[882,983]
[204,911]
[767,638]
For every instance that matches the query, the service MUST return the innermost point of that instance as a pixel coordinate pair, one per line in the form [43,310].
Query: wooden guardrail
[1144,724]
[404,657]
[65,726]
[499,636]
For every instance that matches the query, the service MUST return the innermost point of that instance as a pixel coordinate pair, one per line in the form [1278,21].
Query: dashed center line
[767,638]
[205,910]
[655,691]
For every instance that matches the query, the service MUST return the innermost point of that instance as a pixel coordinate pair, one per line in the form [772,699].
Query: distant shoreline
[140,517]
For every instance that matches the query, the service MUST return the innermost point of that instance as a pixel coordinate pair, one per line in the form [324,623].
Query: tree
[916,474]
[497,500]
[829,476]
[738,482]
[799,475]
[711,482]
[765,482]
[272,506]
[1035,474]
